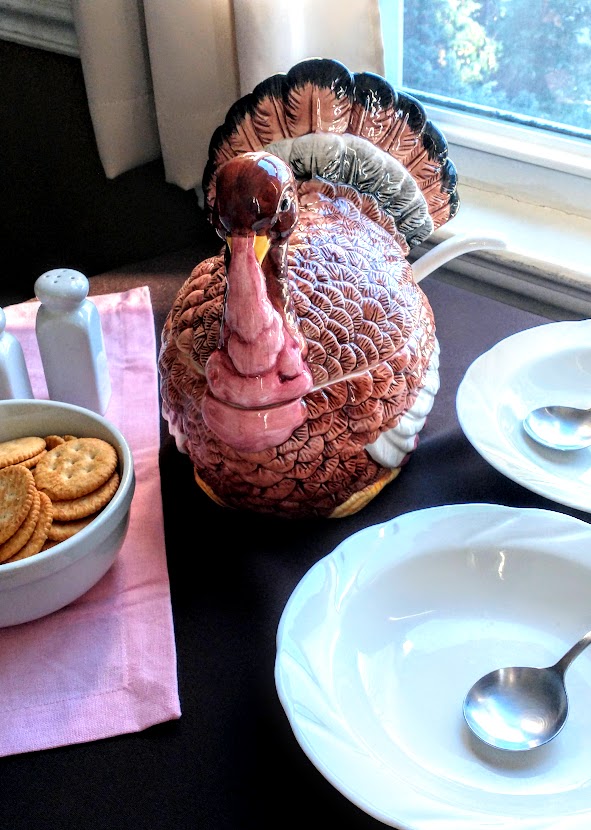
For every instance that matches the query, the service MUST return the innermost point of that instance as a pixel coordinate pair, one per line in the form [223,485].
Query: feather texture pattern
[299,365]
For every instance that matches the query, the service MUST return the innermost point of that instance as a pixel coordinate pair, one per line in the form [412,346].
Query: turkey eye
[284,205]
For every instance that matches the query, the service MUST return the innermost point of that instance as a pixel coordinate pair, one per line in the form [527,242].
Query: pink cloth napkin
[106,664]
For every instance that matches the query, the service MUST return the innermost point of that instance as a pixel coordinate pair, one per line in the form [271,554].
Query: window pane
[524,60]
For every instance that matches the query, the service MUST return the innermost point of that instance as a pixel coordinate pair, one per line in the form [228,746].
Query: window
[509,84]
[513,76]
[526,61]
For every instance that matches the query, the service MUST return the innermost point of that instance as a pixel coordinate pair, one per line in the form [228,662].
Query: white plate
[544,365]
[382,638]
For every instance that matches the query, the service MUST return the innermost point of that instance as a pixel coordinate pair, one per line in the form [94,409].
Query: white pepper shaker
[14,375]
[70,338]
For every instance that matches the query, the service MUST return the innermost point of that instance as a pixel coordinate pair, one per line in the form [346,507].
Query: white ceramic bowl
[43,583]
[536,367]
[381,639]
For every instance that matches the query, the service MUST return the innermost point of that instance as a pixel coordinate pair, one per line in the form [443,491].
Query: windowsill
[548,255]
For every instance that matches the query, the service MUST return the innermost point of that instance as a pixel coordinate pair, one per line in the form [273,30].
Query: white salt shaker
[70,338]
[14,375]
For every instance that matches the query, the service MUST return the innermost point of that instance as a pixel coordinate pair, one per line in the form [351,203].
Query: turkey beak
[261,245]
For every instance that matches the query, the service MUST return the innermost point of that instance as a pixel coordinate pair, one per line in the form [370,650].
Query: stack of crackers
[50,488]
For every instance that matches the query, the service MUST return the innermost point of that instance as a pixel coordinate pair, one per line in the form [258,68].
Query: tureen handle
[453,247]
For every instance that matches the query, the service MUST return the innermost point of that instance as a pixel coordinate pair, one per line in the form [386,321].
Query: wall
[57,208]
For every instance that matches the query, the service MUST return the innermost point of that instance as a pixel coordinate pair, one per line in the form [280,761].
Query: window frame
[534,191]
[530,184]
[533,165]
[526,162]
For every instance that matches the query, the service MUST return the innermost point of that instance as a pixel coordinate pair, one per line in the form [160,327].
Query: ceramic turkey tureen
[298,366]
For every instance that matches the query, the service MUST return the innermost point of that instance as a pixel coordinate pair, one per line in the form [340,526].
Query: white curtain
[160,75]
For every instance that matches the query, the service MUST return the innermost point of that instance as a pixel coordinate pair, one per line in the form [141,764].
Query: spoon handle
[565,661]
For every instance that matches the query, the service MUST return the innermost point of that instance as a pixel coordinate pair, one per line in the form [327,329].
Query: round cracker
[32,462]
[19,449]
[68,510]
[60,531]
[25,531]
[39,535]
[75,468]
[52,441]
[17,488]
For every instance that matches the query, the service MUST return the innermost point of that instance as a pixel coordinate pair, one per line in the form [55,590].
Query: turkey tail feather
[268,112]
[353,128]
[374,108]
[317,97]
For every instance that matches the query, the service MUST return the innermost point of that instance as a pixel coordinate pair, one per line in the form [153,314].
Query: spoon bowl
[517,708]
[521,707]
[559,427]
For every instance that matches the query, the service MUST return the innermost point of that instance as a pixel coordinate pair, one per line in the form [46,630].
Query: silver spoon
[560,427]
[521,707]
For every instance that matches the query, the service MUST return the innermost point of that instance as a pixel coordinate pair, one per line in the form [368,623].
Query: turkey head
[257,377]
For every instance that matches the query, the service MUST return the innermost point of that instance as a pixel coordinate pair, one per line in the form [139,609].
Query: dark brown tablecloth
[231,762]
